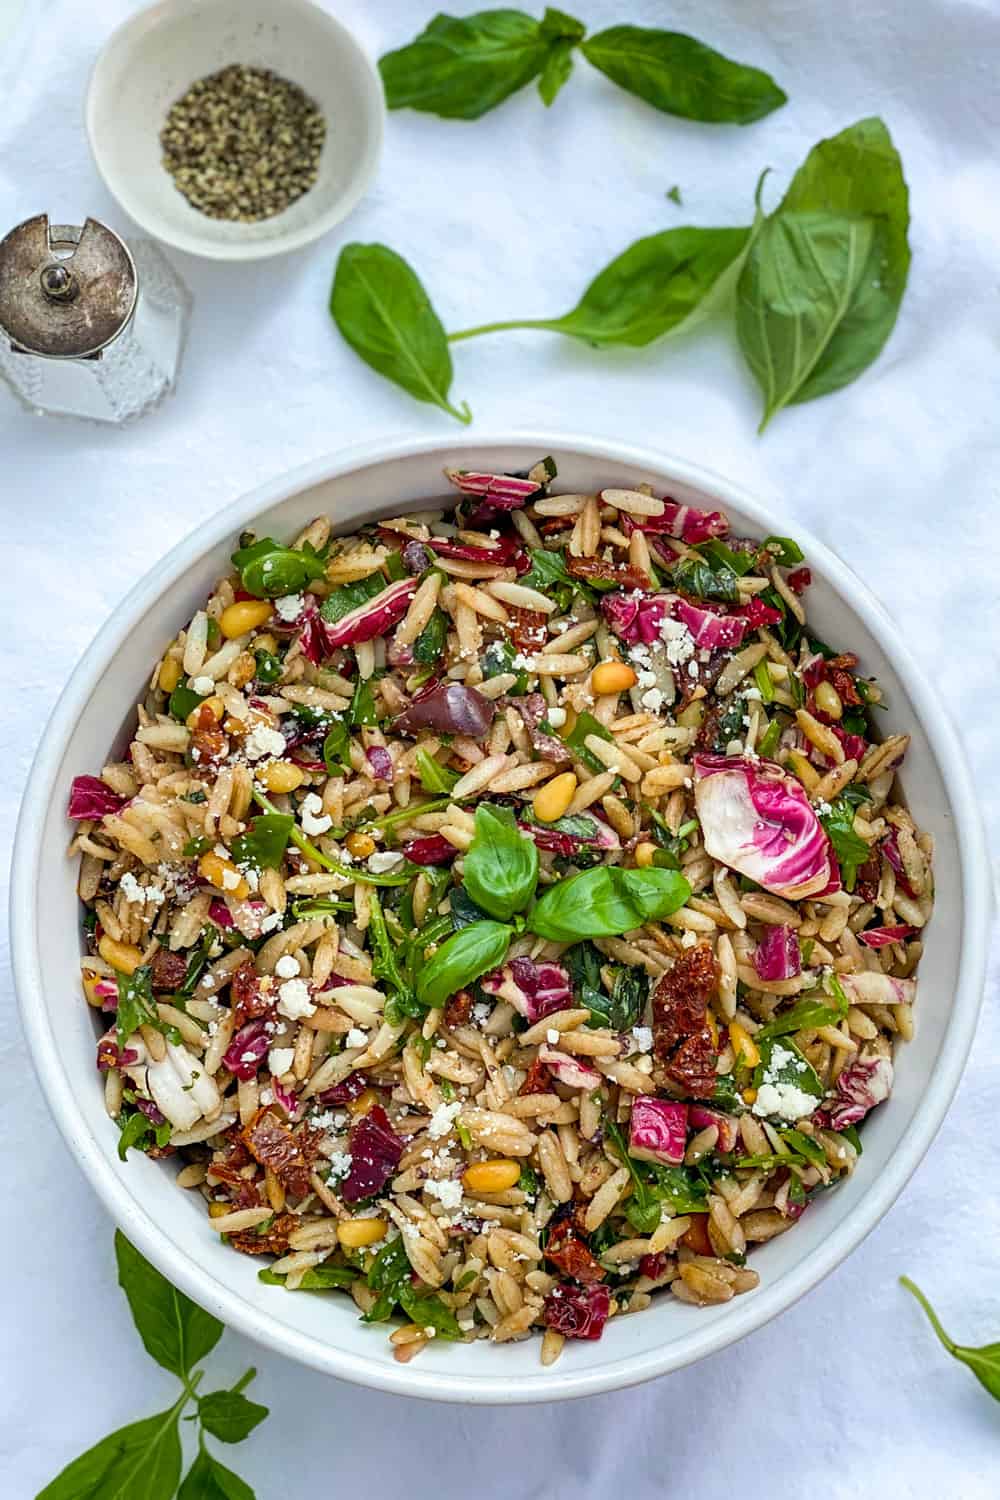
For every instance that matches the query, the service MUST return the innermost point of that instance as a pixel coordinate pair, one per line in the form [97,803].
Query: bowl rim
[746,1314]
[246,250]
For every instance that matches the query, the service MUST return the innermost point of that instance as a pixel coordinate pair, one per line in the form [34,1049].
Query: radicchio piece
[532,709]
[399,655]
[556,841]
[861,1085]
[312,635]
[635,617]
[777,955]
[154,1115]
[658,1130]
[700,1117]
[247,1050]
[106,990]
[711,632]
[504,550]
[570,1070]
[878,989]
[759,821]
[757,613]
[375,1150]
[219,913]
[89,797]
[500,491]
[683,521]
[380,762]
[799,580]
[416,557]
[890,848]
[448,708]
[881,937]
[534,989]
[288,1101]
[577,1312]
[373,618]
[432,850]
[110,1056]
[351,1087]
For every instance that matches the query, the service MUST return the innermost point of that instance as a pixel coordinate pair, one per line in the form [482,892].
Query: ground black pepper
[243,143]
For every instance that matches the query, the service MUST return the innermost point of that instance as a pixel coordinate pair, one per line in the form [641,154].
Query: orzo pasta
[506,913]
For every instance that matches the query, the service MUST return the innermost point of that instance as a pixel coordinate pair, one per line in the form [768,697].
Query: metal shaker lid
[65,292]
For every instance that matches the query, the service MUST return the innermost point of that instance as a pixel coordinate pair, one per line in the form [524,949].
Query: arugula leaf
[430,643]
[143,1458]
[652,1186]
[587,725]
[849,847]
[654,287]
[135,1128]
[808,1013]
[583,964]
[229,1415]
[434,777]
[984,1361]
[137,1007]
[386,1274]
[463,957]
[350,596]
[786,551]
[706,582]
[198,961]
[337,748]
[794,1069]
[315,1279]
[384,313]
[805,1146]
[606,902]
[385,965]
[265,841]
[268,667]
[184,700]
[501,863]
[208,1479]
[362,711]
[268,570]
[498,659]
[464,910]
[175,1331]
[622,1008]
[682,76]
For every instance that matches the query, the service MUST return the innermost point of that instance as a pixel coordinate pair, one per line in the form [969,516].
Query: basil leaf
[586,725]
[434,777]
[384,313]
[705,582]
[265,841]
[799,351]
[350,596]
[428,1311]
[807,1014]
[849,847]
[363,710]
[562,33]
[229,1416]
[681,76]
[548,572]
[184,700]
[175,1331]
[606,902]
[207,1479]
[269,570]
[462,66]
[984,1361]
[316,1279]
[793,1069]
[387,1272]
[463,957]
[805,1146]
[501,864]
[135,1128]
[464,910]
[143,1458]
[786,550]
[337,748]
[430,643]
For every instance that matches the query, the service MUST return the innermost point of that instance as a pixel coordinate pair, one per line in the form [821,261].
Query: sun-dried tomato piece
[169,970]
[654,1266]
[681,998]
[552,525]
[527,628]
[249,1001]
[538,1081]
[209,745]
[459,1009]
[290,1156]
[568,1252]
[625,575]
[269,1240]
[696,1237]
[577,1312]
[868,877]
[693,1065]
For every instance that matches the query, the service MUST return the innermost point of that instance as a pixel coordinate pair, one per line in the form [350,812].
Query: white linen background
[847,1393]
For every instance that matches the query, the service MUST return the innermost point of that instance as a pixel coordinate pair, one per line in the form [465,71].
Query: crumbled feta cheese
[688,939]
[313,818]
[556,717]
[340,1163]
[524,663]
[652,699]
[643,1038]
[203,686]
[777,1096]
[443,1119]
[266,1097]
[356,1037]
[679,642]
[552,1036]
[383,860]
[294,1001]
[693,669]
[822,808]
[130,888]
[272,922]
[289,607]
[481,1012]
[287,967]
[448,1192]
[231,880]
[262,741]
[280,1059]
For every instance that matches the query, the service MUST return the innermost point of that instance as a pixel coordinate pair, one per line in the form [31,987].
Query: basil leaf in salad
[606,902]
[386,316]
[501,864]
[467,954]
[337,748]
[434,777]
[184,700]
[562,33]
[682,76]
[585,726]
[268,570]
[265,841]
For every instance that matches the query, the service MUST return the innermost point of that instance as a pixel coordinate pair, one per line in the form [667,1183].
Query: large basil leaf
[467,954]
[208,1479]
[143,1458]
[606,902]
[229,1415]
[384,313]
[682,76]
[175,1331]
[501,865]
[462,66]
[856,175]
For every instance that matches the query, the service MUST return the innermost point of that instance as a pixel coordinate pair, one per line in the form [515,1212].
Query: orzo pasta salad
[506,913]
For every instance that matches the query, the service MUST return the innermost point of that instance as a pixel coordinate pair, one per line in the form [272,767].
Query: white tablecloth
[846,1394]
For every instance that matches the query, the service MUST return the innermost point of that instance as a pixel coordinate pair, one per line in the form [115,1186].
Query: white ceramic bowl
[155,56]
[170,1227]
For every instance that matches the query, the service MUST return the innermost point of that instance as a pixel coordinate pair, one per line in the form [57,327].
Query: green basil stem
[502,327]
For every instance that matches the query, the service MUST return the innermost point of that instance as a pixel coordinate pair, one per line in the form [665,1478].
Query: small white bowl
[170,1227]
[153,58]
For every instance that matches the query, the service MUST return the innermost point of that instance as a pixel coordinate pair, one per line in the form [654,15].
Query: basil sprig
[145,1458]
[467,954]
[983,1361]
[606,902]
[384,313]
[269,570]
[501,865]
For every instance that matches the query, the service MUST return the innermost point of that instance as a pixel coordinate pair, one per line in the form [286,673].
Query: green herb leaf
[184,700]
[849,847]
[175,1331]
[707,582]
[337,748]
[806,1014]
[501,865]
[819,296]
[268,667]
[787,551]
[674,194]
[585,726]
[462,66]
[681,76]
[389,1270]
[984,1361]
[385,963]
[463,957]
[363,711]
[622,1009]
[350,596]
[606,902]
[794,1069]
[430,643]
[143,1458]
[208,1479]
[315,1279]
[562,33]
[136,1006]
[384,313]
[265,841]
[269,570]
[139,1131]
[498,659]
[229,1416]
[428,1311]
[464,910]
[434,777]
